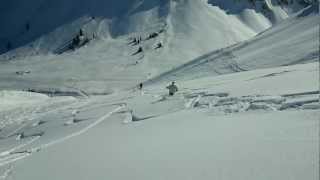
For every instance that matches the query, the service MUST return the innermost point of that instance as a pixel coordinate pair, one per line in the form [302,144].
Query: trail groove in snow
[79,132]
[10,156]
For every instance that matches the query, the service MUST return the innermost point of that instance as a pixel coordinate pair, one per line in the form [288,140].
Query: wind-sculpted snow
[254,103]
[220,103]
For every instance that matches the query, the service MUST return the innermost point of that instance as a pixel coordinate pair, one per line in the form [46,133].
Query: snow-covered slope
[247,105]
[189,30]
[227,22]
[234,126]
[294,40]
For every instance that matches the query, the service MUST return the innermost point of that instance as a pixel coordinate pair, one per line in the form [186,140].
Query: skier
[172,89]
[140,86]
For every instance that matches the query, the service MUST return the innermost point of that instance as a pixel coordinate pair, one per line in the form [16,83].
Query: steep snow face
[293,41]
[197,28]
[23,22]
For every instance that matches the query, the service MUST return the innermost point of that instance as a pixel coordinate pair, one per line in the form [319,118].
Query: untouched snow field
[247,106]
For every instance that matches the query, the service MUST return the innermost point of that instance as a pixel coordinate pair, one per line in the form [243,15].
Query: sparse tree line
[134,41]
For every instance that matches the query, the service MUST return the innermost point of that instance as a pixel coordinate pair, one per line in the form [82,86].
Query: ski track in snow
[79,132]
[8,152]
[9,156]
[34,115]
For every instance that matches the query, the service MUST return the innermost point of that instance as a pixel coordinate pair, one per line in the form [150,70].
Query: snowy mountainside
[238,20]
[247,105]
[294,40]
[108,63]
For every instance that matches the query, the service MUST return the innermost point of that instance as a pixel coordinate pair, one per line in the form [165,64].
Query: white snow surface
[231,20]
[13,99]
[247,105]
[238,126]
[106,64]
